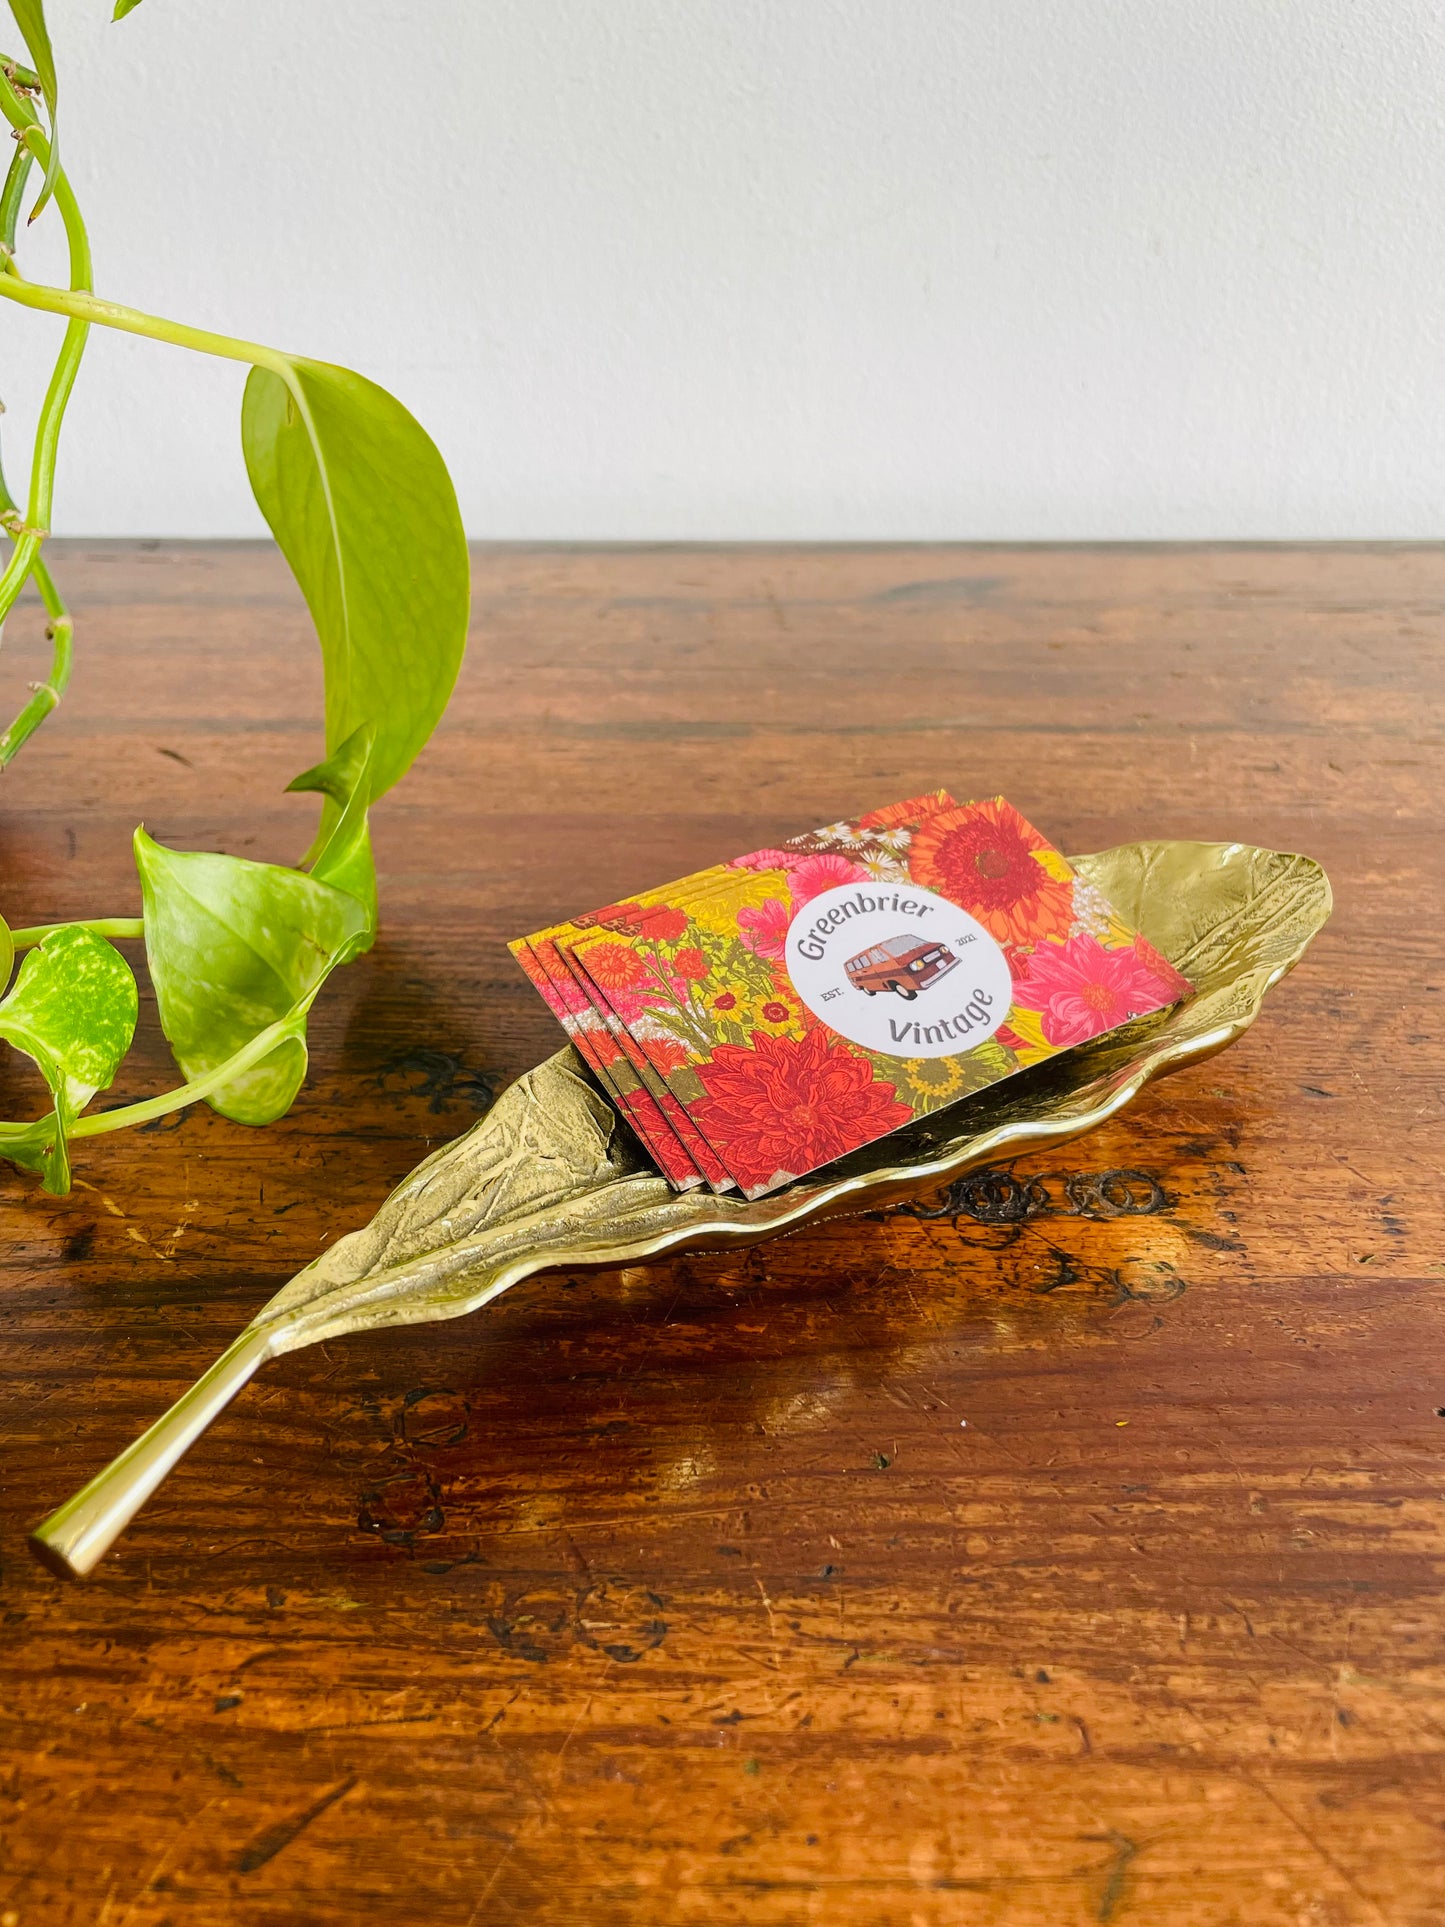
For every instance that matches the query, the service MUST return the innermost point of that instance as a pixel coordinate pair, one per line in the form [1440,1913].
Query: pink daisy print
[1080,989]
[764,929]
[815,874]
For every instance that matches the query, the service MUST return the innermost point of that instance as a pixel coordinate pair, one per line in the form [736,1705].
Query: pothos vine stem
[86,307]
[27,535]
[97,1123]
[123,927]
[80,307]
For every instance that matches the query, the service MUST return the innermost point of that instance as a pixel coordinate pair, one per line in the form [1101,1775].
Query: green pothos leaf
[73,1010]
[362,506]
[341,854]
[123,7]
[30,19]
[233,947]
[340,776]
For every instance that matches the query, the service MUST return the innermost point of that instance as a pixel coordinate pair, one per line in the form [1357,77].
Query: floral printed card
[610,1043]
[806,1000]
[729,891]
[592,1039]
[610,1052]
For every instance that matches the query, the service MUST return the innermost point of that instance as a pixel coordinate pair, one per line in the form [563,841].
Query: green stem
[14,104]
[61,632]
[78,302]
[293,1024]
[42,479]
[81,307]
[128,928]
[44,695]
[260,1046]
[25,558]
[87,307]
[14,193]
[22,76]
[98,1123]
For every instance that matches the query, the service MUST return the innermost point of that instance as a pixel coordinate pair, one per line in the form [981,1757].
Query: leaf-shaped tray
[548,1177]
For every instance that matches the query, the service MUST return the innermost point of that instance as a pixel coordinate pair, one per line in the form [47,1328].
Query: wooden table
[1071,1556]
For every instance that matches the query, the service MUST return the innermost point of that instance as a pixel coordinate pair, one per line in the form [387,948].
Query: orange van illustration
[904,964]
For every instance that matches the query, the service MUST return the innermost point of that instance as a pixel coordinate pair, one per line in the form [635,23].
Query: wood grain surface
[1068,1550]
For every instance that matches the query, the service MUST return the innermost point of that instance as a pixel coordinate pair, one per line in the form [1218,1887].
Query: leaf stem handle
[77,1536]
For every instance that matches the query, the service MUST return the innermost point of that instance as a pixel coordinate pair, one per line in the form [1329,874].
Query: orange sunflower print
[996,866]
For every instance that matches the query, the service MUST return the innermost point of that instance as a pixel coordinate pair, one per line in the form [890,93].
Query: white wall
[792,268]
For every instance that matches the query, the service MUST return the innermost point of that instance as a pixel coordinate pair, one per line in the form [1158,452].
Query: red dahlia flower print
[986,858]
[815,874]
[690,963]
[789,1104]
[662,924]
[614,966]
[764,929]
[1080,989]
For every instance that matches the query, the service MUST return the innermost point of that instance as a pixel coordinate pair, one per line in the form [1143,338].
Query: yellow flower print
[939,1079]
[779,1015]
[929,1083]
[1023,1032]
[1054,864]
[1117,935]
[717,910]
[728,1004]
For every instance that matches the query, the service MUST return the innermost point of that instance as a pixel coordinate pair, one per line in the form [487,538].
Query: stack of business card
[758,1019]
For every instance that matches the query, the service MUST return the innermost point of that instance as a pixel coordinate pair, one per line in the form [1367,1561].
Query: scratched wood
[1066,1550]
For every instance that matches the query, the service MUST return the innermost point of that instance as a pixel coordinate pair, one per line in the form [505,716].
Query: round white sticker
[899,969]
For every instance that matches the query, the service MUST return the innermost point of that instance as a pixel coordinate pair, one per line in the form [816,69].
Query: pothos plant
[364,511]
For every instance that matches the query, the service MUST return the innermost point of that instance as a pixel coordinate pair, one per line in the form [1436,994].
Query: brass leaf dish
[549,1179]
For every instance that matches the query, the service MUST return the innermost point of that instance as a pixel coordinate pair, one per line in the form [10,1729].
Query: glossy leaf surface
[234,946]
[341,854]
[365,513]
[73,1011]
